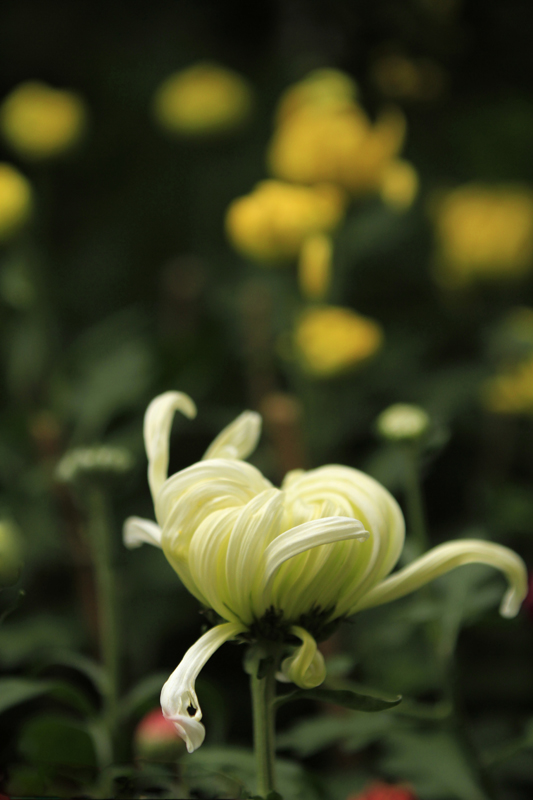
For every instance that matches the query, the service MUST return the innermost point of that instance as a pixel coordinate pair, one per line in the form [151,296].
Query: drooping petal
[446,557]
[238,439]
[157,425]
[179,701]
[305,667]
[138,531]
[301,538]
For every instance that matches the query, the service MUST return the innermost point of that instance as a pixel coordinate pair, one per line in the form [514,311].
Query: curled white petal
[190,730]
[179,701]
[446,557]
[157,425]
[138,531]
[305,667]
[238,439]
[306,536]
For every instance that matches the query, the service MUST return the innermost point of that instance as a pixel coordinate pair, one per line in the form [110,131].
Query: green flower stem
[263,695]
[416,513]
[100,537]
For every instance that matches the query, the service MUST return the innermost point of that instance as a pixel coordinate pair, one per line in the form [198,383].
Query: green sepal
[264,666]
[341,697]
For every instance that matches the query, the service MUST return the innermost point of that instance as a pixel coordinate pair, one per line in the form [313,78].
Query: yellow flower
[203,99]
[322,88]
[484,232]
[330,339]
[399,184]
[336,144]
[15,200]
[272,222]
[280,563]
[40,122]
[314,266]
[512,391]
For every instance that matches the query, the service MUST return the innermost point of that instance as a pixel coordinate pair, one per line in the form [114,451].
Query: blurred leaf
[21,640]
[143,696]
[70,695]
[17,287]
[111,368]
[434,763]
[27,353]
[339,665]
[57,741]
[356,701]
[234,769]
[19,690]
[354,731]
[85,666]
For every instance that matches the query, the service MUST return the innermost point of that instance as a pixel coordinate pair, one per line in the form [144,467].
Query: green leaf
[353,731]
[52,740]
[143,696]
[14,691]
[434,763]
[233,770]
[341,697]
[72,696]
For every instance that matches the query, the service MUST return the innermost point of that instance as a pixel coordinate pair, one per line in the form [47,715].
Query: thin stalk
[416,513]
[263,694]
[100,536]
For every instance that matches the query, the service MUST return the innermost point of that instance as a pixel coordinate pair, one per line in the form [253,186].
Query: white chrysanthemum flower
[289,561]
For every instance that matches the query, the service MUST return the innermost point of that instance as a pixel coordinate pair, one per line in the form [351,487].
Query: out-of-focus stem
[416,513]
[100,537]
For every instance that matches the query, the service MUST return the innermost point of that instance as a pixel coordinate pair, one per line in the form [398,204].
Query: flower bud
[384,791]
[402,422]
[156,738]
[89,460]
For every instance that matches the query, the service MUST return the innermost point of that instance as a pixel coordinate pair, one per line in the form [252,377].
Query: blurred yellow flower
[337,144]
[314,266]
[331,339]
[484,231]
[399,184]
[203,99]
[272,222]
[322,88]
[40,122]
[15,200]
[511,392]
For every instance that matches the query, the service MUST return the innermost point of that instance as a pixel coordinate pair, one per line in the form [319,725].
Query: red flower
[384,791]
